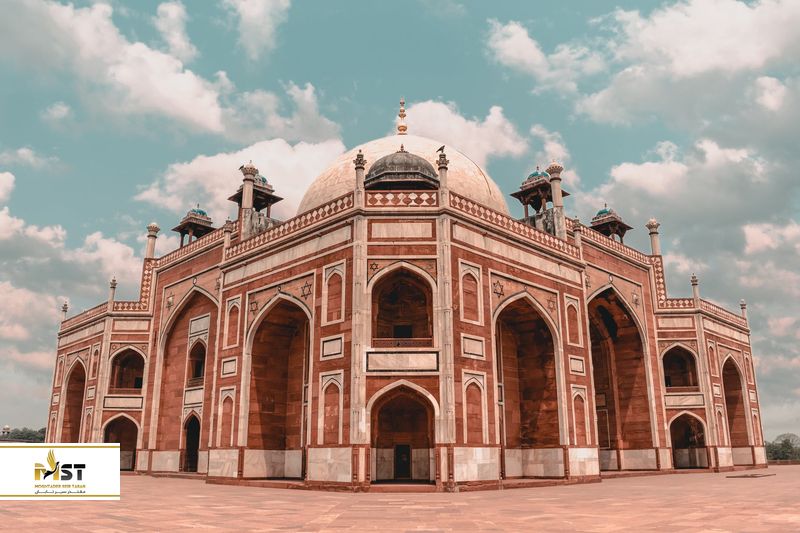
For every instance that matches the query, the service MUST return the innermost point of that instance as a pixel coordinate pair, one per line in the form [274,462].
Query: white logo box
[83,471]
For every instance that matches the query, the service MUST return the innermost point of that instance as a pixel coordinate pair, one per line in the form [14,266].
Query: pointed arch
[737,403]
[277,420]
[247,356]
[678,374]
[179,308]
[558,353]
[385,271]
[622,373]
[403,383]
[688,438]
[393,324]
[162,434]
[73,399]
[125,430]
[402,421]
[121,415]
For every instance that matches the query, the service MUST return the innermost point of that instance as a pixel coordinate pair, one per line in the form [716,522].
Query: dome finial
[401,125]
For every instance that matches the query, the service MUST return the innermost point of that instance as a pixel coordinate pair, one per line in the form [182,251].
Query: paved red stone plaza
[691,502]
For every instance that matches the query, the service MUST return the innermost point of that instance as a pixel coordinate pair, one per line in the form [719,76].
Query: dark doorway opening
[192,444]
[402,461]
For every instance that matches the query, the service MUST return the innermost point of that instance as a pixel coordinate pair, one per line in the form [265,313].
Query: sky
[113,115]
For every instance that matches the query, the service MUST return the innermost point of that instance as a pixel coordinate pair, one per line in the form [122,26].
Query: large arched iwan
[620,379]
[277,412]
[177,374]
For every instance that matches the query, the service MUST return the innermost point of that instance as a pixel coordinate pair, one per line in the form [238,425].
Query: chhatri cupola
[609,223]
[195,224]
[540,188]
[254,195]
[263,192]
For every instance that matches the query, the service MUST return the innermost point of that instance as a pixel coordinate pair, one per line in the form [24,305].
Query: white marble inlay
[401,361]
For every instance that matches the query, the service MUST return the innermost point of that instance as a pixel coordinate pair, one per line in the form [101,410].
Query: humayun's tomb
[404,327]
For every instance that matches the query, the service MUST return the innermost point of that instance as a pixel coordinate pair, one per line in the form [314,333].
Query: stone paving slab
[696,502]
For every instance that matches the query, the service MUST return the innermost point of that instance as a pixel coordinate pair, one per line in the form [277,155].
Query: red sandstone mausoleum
[405,327]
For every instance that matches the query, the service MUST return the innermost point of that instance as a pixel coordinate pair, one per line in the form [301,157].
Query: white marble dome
[464,177]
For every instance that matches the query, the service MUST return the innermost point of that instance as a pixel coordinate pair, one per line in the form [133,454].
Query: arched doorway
[191,436]
[127,373]
[680,370]
[734,405]
[278,389]
[73,404]
[527,367]
[402,424]
[124,431]
[195,318]
[402,311]
[688,442]
[620,378]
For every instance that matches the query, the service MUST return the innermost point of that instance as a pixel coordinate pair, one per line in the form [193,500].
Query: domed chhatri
[401,170]
[609,223]
[464,176]
[538,174]
[195,224]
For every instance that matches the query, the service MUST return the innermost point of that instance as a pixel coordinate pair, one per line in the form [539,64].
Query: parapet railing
[85,315]
[608,242]
[203,241]
[506,222]
[293,225]
[716,310]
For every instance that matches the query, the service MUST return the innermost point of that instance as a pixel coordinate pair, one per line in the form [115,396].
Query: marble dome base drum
[404,328]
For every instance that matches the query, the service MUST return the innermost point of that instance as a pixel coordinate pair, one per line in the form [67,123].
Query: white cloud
[23,311]
[25,156]
[56,112]
[481,139]
[256,115]
[170,21]
[687,61]
[554,148]
[258,22]
[6,186]
[511,45]
[684,264]
[785,326]
[770,92]
[211,179]
[128,77]
[767,236]
[690,37]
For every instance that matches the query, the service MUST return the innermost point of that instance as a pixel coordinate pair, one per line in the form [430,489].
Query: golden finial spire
[401,125]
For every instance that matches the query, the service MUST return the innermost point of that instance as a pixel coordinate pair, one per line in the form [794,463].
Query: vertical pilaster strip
[358,385]
[447,424]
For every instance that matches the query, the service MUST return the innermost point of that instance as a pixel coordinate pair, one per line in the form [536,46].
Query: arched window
[334,303]
[402,311]
[469,294]
[680,371]
[233,326]
[127,373]
[197,364]
[473,396]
